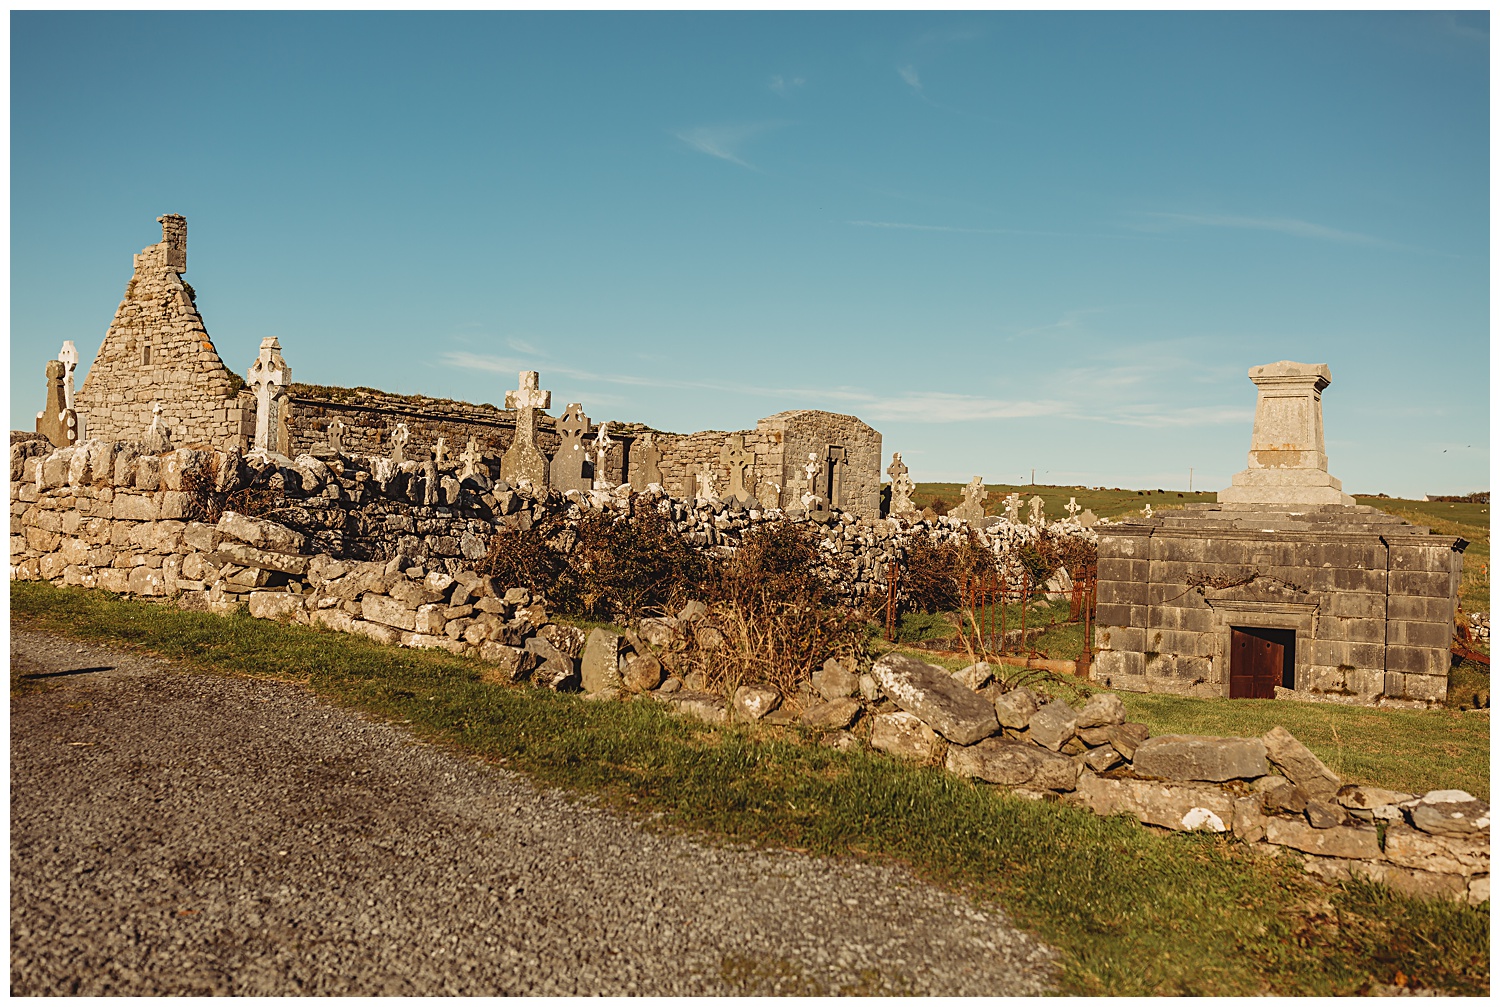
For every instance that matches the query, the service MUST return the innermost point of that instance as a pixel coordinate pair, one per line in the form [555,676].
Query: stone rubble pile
[95,513]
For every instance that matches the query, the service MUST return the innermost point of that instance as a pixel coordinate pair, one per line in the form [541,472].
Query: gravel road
[175,832]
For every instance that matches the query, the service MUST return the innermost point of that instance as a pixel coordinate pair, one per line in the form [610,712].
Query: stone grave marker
[568,463]
[602,443]
[706,489]
[1072,508]
[901,489]
[523,462]
[972,509]
[470,459]
[157,441]
[645,462]
[1013,508]
[56,421]
[400,437]
[1036,506]
[336,431]
[268,377]
[736,459]
[440,451]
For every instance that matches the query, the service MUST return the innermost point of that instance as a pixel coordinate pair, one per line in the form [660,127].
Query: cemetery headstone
[400,437]
[972,509]
[645,462]
[736,459]
[336,431]
[602,443]
[568,464]
[523,463]
[56,421]
[440,451]
[1013,508]
[901,489]
[268,377]
[470,459]
[1036,505]
[157,440]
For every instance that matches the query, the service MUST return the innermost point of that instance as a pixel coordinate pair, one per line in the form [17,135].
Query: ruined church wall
[685,455]
[804,432]
[157,349]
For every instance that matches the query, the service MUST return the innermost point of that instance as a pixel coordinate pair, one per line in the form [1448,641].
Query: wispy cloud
[945,229]
[725,141]
[1281,225]
[784,86]
[909,74]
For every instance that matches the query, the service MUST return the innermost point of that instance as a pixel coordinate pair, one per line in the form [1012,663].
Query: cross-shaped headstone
[901,488]
[736,458]
[1073,508]
[522,461]
[568,463]
[1013,508]
[266,378]
[440,451]
[972,509]
[470,459]
[400,437]
[602,443]
[1147,511]
[838,461]
[336,431]
[69,357]
[1036,504]
[810,472]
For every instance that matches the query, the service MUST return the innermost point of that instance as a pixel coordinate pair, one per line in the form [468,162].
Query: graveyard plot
[1134,912]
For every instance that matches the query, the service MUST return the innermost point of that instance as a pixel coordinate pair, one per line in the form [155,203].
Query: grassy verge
[1133,912]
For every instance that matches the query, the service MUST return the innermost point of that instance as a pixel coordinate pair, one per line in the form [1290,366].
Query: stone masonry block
[1410,609]
[1119,592]
[1420,634]
[1353,605]
[1120,638]
[1420,585]
[1352,630]
[1418,661]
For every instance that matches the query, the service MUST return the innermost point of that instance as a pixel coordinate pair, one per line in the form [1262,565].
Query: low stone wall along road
[184,833]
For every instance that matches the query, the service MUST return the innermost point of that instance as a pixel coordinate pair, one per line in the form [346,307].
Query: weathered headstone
[645,462]
[736,459]
[568,464]
[706,489]
[972,509]
[1013,508]
[440,451]
[602,443]
[268,377]
[523,462]
[838,464]
[68,356]
[56,421]
[901,489]
[1088,518]
[470,459]
[336,431]
[1036,505]
[400,437]
[157,441]
[810,475]
[1072,508]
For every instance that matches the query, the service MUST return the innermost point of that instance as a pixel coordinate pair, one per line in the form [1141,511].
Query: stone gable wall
[158,349]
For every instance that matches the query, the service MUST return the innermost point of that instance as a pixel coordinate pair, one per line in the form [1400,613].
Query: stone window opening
[146,351]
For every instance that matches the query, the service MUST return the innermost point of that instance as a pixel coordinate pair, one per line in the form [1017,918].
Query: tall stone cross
[470,459]
[69,357]
[838,461]
[645,462]
[901,488]
[440,451]
[972,509]
[266,378]
[1072,508]
[567,464]
[1013,508]
[810,471]
[523,461]
[602,443]
[336,431]
[56,421]
[736,459]
[400,437]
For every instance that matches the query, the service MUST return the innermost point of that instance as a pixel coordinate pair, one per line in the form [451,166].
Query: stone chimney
[174,236]
[1288,466]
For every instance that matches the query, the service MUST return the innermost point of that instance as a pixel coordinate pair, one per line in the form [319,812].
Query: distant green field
[1471,521]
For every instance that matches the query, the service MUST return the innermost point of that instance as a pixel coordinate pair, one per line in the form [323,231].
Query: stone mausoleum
[158,365]
[1283,589]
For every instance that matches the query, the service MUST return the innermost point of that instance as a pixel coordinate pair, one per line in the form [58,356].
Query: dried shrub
[625,566]
[779,619]
[523,558]
[203,502]
[933,575]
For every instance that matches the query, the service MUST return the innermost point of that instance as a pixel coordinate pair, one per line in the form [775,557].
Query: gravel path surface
[183,833]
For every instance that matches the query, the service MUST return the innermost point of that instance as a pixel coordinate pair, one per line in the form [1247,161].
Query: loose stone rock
[751,704]
[930,693]
[1103,709]
[1196,757]
[1053,725]
[903,735]
[1015,708]
[1299,765]
[835,715]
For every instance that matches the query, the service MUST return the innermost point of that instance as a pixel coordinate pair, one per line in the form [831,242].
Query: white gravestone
[267,378]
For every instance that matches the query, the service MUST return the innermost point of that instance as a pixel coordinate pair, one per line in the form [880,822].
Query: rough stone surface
[260,533]
[1324,814]
[751,704]
[1451,818]
[1298,764]
[601,661]
[930,693]
[1197,757]
[1183,807]
[834,681]
[703,706]
[1102,709]
[1013,764]
[834,715]
[1126,738]
[1053,725]
[1354,842]
[292,848]
[1409,847]
[904,735]
[277,605]
[1015,708]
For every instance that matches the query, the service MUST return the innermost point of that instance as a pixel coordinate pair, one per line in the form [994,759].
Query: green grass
[1133,912]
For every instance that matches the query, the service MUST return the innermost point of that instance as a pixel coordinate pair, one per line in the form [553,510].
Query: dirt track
[183,833]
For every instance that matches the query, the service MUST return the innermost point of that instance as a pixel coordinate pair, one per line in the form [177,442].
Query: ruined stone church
[158,363]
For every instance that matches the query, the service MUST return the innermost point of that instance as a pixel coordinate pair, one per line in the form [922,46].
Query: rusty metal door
[1255,664]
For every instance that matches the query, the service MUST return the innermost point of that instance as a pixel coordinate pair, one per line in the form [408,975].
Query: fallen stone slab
[1182,807]
[260,533]
[1198,757]
[704,706]
[277,605]
[1353,842]
[388,611]
[903,735]
[1300,765]
[1451,818]
[504,663]
[931,694]
[601,661]
[1053,725]
[1409,847]
[1015,708]
[1126,738]
[831,716]
[1013,763]
[1103,709]
[259,559]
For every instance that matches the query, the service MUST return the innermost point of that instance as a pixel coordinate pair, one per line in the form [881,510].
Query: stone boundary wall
[683,456]
[1270,791]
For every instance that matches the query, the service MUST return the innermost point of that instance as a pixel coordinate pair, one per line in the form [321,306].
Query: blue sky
[1007,241]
